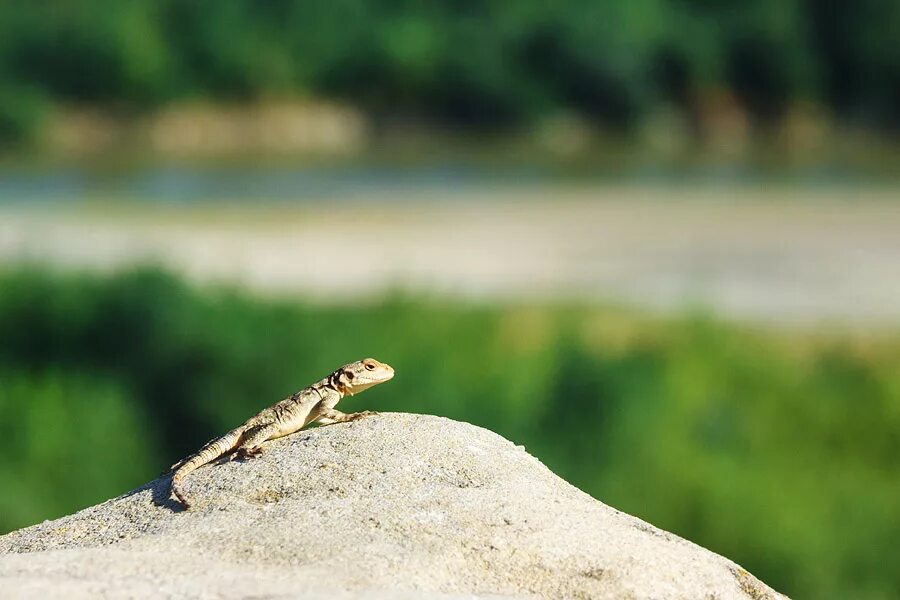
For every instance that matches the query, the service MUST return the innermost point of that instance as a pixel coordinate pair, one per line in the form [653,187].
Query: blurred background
[655,241]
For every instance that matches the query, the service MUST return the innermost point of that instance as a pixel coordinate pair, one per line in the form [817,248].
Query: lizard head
[361,375]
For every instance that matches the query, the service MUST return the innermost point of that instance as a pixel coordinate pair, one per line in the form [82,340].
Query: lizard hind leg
[330,416]
[250,446]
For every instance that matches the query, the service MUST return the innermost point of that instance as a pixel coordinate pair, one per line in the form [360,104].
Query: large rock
[393,506]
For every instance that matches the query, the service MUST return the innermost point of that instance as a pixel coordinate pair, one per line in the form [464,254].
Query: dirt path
[784,256]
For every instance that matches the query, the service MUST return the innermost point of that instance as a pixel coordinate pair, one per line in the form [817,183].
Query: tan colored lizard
[315,403]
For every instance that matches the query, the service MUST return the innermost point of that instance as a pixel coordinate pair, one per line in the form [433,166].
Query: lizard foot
[245,453]
[363,414]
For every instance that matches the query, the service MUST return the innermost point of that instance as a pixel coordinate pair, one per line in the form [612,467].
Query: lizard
[313,403]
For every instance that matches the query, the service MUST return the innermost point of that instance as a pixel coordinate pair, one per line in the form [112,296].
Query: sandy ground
[788,256]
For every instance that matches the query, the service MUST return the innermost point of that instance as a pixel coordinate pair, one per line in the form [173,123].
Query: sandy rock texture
[393,506]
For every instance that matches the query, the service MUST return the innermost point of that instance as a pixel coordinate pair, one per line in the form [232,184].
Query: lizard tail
[208,453]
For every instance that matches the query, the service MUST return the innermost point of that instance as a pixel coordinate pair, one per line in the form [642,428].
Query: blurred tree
[859,57]
[22,109]
[480,63]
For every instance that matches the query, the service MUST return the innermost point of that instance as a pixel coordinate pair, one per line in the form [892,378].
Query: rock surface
[393,506]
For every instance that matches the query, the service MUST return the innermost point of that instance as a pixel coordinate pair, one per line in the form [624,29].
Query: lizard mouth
[360,384]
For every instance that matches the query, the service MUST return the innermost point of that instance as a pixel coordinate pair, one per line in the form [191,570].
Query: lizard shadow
[160,489]
[160,493]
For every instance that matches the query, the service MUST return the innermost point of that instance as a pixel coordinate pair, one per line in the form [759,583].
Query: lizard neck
[331,388]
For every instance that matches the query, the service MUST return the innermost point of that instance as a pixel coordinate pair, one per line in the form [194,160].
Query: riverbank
[784,255]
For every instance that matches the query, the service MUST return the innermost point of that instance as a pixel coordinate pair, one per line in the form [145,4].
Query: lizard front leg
[329,416]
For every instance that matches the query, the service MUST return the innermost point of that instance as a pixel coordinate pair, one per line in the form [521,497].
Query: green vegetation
[475,62]
[778,451]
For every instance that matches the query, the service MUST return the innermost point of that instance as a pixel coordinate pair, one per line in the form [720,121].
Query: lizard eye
[370,366]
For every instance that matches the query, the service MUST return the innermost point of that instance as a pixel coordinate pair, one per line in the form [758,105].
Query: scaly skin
[315,403]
